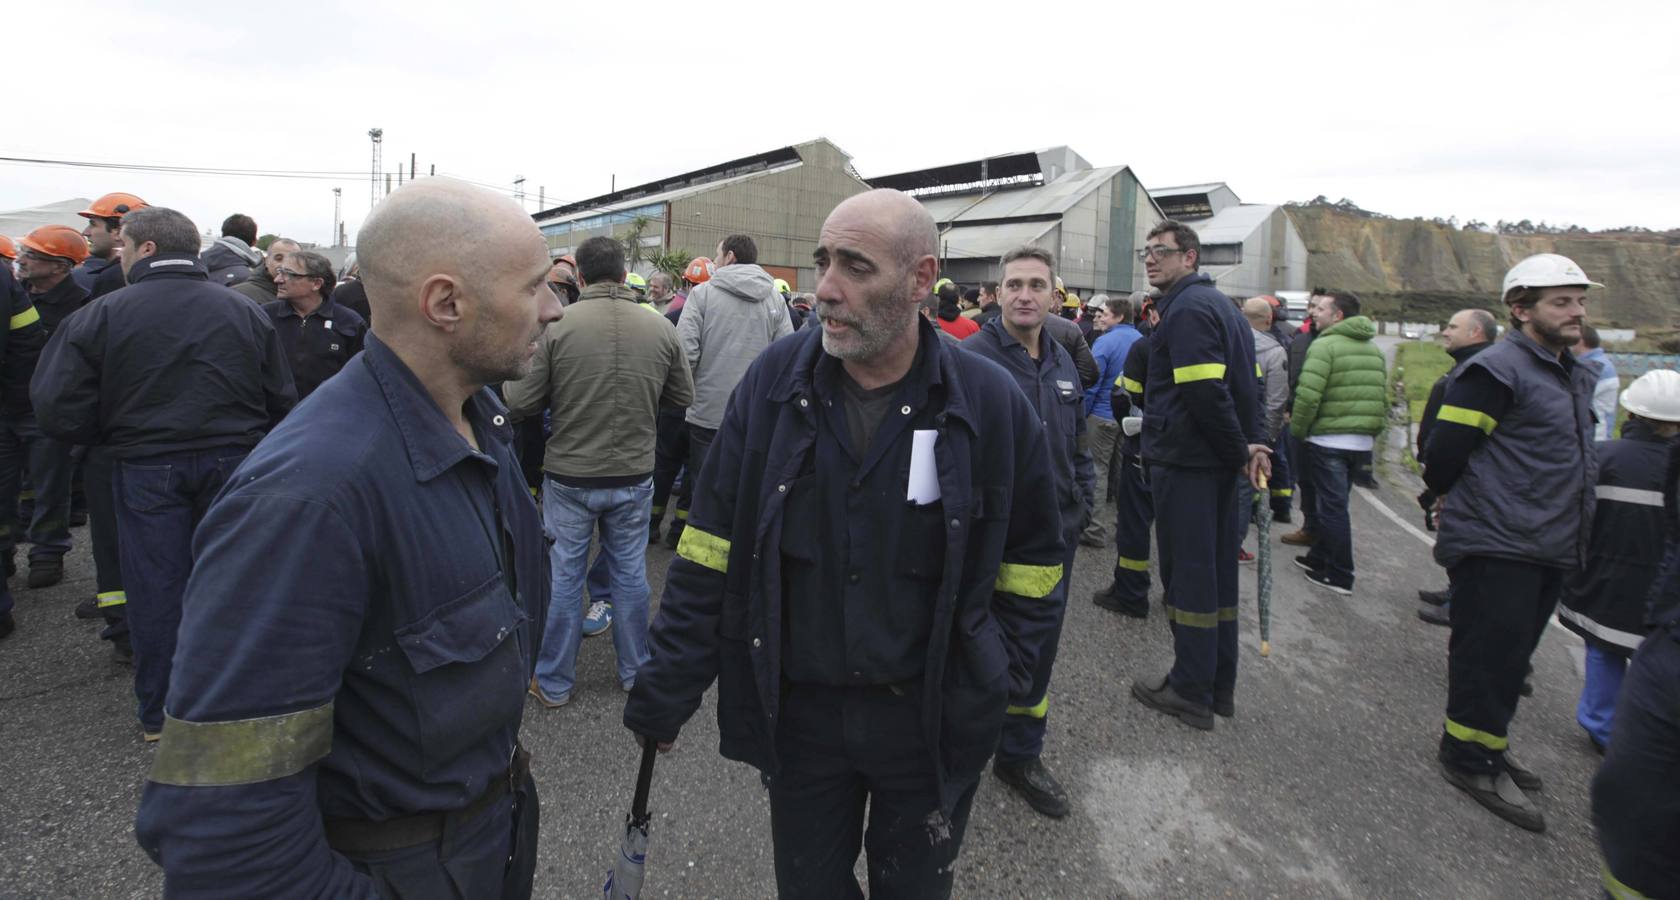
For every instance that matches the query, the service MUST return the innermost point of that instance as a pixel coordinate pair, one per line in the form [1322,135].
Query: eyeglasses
[283,274]
[1156,251]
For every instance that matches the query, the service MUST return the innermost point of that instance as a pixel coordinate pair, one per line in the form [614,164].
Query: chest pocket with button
[467,680]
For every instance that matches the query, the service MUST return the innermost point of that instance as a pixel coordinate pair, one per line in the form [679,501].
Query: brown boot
[1298,538]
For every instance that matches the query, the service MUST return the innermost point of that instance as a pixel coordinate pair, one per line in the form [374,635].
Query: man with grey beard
[865,572]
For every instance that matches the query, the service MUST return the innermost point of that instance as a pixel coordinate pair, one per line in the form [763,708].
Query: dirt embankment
[1422,271]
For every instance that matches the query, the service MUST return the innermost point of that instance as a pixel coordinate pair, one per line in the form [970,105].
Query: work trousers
[1024,725]
[1282,481]
[160,501]
[1134,514]
[1104,439]
[1195,528]
[24,447]
[1499,611]
[102,535]
[491,856]
[1303,484]
[1596,710]
[670,451]
[845,751]
[1330,471]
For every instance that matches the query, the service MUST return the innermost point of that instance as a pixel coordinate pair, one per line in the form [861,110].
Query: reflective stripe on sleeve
[1035,582]
[1135,565]
[1470,417]
[1257,372]
[682,515]
[244,751]
[1199,372]
[1131,385]
[1201,620]
[1036,712]
[1636,496]
[26,318]
[1616,889]
[1283,492]
[109,599]
[1474,736]
[704,549]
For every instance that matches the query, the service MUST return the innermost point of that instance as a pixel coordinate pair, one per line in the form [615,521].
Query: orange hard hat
[8,250]
[113,206]
[58,240]
[699,270]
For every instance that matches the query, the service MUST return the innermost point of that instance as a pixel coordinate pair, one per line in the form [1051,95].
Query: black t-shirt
[864,410]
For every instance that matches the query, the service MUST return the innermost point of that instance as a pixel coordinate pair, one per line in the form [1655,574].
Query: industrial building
[779,198]
[1248,249]
[1094,220]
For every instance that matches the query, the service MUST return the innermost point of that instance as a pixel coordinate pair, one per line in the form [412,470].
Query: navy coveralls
[392,585]
[1051,384]
[1203,414]
[1134,508]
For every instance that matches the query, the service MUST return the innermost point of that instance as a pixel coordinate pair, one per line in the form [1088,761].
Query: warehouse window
[1221,254]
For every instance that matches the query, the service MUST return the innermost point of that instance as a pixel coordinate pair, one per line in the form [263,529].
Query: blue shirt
[368,568]
[1110,351]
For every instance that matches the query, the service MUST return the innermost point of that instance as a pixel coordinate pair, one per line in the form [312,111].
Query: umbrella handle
[644,780]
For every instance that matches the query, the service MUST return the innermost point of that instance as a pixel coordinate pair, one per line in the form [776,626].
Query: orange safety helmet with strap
[8,250]
[699,270]
[114,205]
[58,240]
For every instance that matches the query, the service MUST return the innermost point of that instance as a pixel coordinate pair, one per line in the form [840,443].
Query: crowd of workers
[340,558]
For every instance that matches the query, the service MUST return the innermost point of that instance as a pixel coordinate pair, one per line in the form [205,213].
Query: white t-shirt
[1359,442]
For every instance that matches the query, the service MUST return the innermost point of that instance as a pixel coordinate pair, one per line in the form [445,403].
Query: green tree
[633,251]
[672,263]
[265,240]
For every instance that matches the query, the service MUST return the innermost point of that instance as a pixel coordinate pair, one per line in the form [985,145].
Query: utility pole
[378,137]
[519,190]
[413,168]
[399,174]
[338,200]
[541,193]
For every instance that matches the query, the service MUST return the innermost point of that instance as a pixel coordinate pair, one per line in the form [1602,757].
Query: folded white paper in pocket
[924,469]
[1131,425]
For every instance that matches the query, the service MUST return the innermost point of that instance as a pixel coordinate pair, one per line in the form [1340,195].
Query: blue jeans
[160,501]
[1332,549]
[1597,709]
[570,515]
[24,447]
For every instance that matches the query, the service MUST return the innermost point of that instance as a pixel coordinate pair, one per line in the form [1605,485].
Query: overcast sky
[1562,111]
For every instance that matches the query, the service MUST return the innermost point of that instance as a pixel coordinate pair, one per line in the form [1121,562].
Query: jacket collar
[1463,353]
[1179,287]
[326,310]
[1006,339]
[93,265]
[1639,430]
[432,443]
[168,265]
[608,290]
[67,290]
[1565,360]
[935,365]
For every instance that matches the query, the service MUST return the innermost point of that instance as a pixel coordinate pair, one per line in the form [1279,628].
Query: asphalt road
[1324,785]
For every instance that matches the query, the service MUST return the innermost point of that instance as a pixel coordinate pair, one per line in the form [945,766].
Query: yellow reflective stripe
[1257,372]
[1202,620]
[1198,372]
[704,549]
[110,598]
[1283,492]
[28,317]
[1029,581]
[1474,736]
[1471,417]
[1130,385]
[658,511]
[1136,565]
[1037,711]
[244,751]
[682,515]
[1615,888]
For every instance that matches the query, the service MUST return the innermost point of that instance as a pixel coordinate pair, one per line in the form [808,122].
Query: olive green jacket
[1344,383]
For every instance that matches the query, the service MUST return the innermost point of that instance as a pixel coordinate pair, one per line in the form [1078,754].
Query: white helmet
[1654,395]
[1545,270]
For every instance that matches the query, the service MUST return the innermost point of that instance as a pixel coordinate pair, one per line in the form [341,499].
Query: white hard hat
[1654,395]
[1545,270]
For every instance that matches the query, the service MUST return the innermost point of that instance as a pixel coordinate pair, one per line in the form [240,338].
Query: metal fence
[1633,365]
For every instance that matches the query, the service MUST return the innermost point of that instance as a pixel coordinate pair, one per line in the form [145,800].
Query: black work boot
[46,571]
[89,609]
[1521,774]
[1163,698]
[1035,784]
[1434,598]
[1435,615]
[1109,598]
[1499,793]
[1225,703]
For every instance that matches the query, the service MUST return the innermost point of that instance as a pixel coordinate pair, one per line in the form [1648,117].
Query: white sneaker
[598,620]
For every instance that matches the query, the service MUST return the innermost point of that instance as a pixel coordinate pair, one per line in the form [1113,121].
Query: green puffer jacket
[1344,383]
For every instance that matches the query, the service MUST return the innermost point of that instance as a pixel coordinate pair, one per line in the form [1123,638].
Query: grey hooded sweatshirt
[725,324]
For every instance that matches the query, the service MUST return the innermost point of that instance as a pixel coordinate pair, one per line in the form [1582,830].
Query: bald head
[441,227]
[1258,312]
[1468,327]
[902,220]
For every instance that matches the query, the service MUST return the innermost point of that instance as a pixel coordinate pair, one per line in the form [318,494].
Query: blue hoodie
[1110,351]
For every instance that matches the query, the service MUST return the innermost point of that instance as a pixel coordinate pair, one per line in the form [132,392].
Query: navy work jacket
[367,599]
[723,610]
[1204,398]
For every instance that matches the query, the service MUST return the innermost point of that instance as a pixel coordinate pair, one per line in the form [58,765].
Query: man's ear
[441,301]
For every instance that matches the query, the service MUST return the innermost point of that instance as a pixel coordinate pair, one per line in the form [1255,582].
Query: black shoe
[1500,794]
[1435,615]
[44,573]
[1225,703]
[1112,601]
[674,536]
[1087,539]
[78,518]
[1434,598]
[1036,785]
[89,609]
[1521,774]
[653,535]
[7,626]
[1323,580]
[122,651]
[1308,564]
[1527,689]
[1163,698]
[1281,516]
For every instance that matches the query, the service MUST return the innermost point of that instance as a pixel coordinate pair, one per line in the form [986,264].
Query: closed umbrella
[624,881]
[1263,521]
